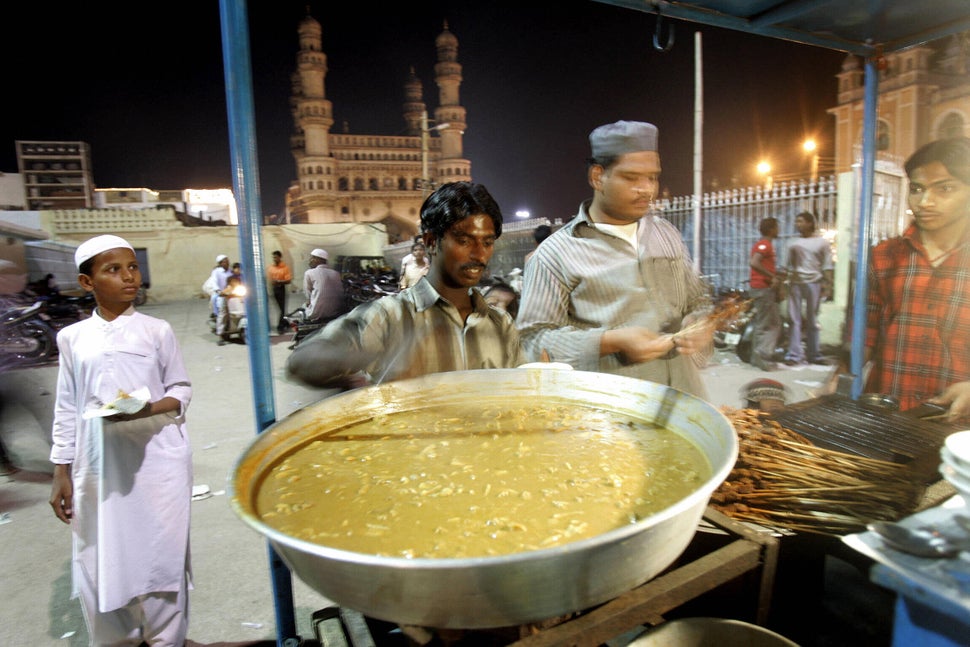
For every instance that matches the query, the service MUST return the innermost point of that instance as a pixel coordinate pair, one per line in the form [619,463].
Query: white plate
[959,445]
[957,480]
[952,461]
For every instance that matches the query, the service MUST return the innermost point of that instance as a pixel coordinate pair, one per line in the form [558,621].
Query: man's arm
[346,346]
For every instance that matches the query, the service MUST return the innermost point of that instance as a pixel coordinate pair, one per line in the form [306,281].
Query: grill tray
[839,423]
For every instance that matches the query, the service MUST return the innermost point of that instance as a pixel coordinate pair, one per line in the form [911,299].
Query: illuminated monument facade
[924,94]
[355,178]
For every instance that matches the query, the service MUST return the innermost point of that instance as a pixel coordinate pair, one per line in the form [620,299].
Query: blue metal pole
[245,184]
[869,103]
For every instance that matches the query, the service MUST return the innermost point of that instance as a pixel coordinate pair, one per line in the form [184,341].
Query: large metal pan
[506,590]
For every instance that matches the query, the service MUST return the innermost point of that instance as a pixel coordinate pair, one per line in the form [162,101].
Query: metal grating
[841,424]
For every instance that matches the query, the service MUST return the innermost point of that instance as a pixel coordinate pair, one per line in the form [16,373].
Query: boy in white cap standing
[614,289]
[323,287]
[122,461]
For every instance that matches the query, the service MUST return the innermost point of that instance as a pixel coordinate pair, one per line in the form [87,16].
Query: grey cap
[623,137]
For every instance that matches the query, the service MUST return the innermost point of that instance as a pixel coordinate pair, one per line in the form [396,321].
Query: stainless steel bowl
[511,589]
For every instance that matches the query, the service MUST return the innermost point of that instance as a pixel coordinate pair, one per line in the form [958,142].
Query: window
[882,136]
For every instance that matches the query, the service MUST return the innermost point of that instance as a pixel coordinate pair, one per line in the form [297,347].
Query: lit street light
[764,168]
[811,147]
[522,213]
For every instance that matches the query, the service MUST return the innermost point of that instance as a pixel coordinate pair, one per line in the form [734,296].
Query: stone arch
[952,124]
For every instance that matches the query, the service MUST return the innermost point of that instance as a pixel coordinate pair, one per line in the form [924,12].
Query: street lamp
[812,148]
[764,168]
[425,180]
[522,213]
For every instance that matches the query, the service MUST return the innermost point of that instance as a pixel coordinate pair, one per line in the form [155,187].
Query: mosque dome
[446,38]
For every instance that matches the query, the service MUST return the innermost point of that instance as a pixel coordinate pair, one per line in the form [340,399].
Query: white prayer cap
[221,257]
[320,253]
[94,246]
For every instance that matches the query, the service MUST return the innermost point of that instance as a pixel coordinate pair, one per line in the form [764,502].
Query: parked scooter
[25,338]
[302,327]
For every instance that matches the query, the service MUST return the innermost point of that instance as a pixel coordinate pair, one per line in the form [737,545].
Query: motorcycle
[25,338]
[366,288]
[302,327]
[61,310]
[735,315]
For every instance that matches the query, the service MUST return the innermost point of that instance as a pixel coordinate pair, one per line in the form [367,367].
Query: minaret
[450,115]
[314,114]
[413,103]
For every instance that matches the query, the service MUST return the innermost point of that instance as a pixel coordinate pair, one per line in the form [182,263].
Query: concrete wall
[181,258]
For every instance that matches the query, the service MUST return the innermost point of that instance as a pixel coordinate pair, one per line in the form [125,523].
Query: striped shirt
[583,281]
[918,325]
[408,334]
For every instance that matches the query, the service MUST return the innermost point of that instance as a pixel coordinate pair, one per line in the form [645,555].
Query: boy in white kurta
[123,481]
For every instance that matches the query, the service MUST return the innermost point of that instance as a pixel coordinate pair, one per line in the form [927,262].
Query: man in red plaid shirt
[918,331]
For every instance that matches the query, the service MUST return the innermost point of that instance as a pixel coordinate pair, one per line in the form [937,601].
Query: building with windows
[345,177]
[56,175]
[924,94]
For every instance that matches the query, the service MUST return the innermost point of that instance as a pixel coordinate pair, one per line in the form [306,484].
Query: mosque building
[924,94]
[371,178]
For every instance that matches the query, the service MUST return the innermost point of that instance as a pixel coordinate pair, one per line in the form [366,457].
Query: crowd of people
[614,291]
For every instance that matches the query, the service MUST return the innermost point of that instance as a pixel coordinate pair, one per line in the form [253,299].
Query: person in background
[442,323]
[503,296]
[13,281]
[614,290]
[539,234]
[764,394]
[280,276]
[323,287]
[217,283]
[234,296]
[418,265]
[123,481]
[52,287]
[918,312]
[809,277]
[765,285]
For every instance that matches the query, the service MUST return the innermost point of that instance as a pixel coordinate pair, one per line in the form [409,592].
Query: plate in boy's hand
[126,403]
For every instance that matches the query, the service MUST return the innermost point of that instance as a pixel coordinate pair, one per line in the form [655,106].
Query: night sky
[146,90]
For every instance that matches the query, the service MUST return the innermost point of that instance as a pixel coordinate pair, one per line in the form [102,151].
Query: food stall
[858,27]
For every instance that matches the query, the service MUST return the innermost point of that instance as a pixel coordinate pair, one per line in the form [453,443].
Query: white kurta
[132,480]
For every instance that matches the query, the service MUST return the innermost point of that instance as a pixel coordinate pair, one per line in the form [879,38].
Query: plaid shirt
[918,325]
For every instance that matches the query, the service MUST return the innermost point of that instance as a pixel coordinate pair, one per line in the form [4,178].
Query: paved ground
[233,601]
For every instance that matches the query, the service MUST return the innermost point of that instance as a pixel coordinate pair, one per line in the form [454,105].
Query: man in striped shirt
[614,289]
[918,332]
[441,323]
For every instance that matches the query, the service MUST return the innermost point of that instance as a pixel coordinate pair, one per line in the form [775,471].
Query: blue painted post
[870,98]
[245,184]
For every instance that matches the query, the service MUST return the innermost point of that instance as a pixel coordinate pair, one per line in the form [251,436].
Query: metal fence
[729,223]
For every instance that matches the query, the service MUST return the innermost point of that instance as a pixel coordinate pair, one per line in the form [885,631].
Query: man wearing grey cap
[614,289]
